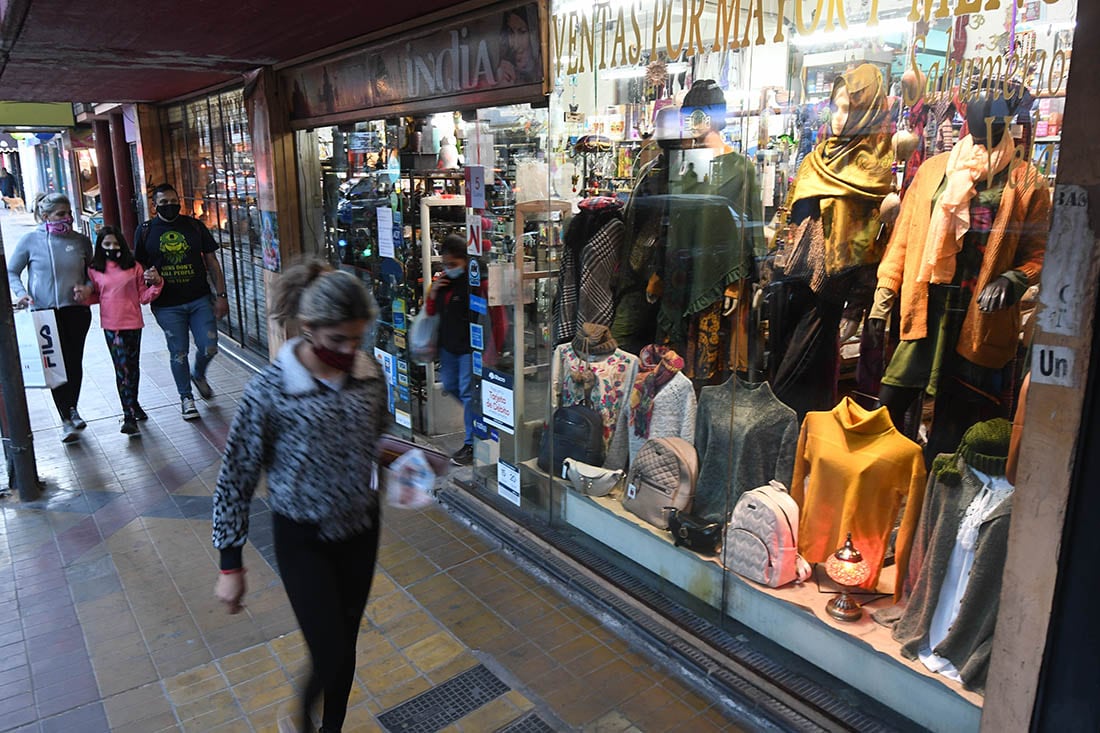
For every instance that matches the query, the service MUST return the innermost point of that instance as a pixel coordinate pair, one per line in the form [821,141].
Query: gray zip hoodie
[57,263]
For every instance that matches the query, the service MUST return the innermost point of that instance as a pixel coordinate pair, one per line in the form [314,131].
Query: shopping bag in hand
[424,338]
[40,349]
[411,481]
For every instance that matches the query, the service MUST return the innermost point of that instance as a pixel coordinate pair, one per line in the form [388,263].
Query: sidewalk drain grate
[445,703]
[530,723]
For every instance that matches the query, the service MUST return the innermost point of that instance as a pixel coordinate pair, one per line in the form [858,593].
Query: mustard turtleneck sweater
[852,469]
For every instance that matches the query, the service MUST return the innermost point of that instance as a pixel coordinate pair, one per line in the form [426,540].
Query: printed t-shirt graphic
[176,249]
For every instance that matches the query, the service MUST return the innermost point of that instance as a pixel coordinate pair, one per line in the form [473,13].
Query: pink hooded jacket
[120,294]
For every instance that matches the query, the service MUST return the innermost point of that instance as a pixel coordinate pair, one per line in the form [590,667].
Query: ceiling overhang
[152,51]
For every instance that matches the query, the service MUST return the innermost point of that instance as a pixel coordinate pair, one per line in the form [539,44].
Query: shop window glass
[794,301]
[209,159]
[393,191]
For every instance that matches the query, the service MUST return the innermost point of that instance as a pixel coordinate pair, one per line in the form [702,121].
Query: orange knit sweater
[851,471]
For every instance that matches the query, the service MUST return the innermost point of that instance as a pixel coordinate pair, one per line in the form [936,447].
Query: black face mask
[168,211]
[113,254]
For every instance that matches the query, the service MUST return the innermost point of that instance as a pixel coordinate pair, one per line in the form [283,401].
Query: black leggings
[73,323]
[327,584]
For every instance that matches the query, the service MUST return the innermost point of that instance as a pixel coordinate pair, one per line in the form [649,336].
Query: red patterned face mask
[335,359]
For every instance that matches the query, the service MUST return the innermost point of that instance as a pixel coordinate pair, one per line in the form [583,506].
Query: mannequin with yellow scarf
[968,243]
[834,238]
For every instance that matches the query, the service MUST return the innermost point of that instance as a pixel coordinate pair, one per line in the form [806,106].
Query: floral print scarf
[657,366]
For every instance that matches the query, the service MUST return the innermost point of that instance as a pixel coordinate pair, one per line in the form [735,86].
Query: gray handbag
[591,480]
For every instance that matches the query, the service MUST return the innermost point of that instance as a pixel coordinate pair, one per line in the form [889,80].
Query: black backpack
[575,432]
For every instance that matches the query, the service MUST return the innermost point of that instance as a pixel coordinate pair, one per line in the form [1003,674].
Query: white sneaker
[188,409]
[69,433]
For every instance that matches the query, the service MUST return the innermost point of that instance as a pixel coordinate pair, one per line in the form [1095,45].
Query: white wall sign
[473,234]
[385,231]
[1066,263]
[475,188]
[497,401]
[1052,365]
[508,482]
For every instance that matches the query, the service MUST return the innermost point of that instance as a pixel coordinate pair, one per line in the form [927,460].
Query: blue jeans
[178,321]
[456,371]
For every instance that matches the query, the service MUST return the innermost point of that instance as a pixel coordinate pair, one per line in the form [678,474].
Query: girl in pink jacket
[121,287]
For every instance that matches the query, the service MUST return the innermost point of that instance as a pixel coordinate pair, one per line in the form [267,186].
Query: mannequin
[635,323]
[949,607]
[662,402]
[833,240]
[745,438]
[593,370]
[590,259]
[709,243]
[852,471]
[959,266]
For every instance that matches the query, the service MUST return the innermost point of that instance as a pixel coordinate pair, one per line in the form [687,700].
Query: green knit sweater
[968,644]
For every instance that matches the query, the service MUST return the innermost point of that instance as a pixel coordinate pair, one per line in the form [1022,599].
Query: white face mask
[453,273]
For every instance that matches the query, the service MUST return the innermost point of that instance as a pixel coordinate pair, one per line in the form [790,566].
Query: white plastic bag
[411,481]
[424,338]
[40,349]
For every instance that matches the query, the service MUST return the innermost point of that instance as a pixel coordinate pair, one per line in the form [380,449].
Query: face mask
[63,226]
[113,254]
[453,273]
[168,211]
[335,359]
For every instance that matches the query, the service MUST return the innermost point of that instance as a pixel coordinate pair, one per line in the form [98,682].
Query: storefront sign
[481,430]
[477,363]
[269,240]
[475,273]
[475,187]
[479,304]
[363,142]
[477,336]
[473,234]
[403,419]
[508,482]
[587,37]
[489,52]
[385,231]
[1061,294]
[1053,364]
[497,401]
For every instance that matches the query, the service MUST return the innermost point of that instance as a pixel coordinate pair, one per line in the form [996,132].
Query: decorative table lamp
[847,568]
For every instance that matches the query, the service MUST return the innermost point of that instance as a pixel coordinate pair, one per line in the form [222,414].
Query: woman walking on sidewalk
[311,420]
[57,258]
[120,285]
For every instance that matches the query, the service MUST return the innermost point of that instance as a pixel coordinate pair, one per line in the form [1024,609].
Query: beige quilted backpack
[662,475]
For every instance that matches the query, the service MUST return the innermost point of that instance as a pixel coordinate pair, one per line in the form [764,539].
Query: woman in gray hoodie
[56,259]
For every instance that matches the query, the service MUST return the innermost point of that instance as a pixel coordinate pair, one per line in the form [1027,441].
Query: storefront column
[151,147]
[108,196]
[124,178]
[1059,375]
[276,180]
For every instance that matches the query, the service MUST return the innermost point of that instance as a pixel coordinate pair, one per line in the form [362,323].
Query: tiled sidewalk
[108,622]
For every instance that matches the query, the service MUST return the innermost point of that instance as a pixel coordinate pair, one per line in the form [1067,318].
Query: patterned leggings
[125,348]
